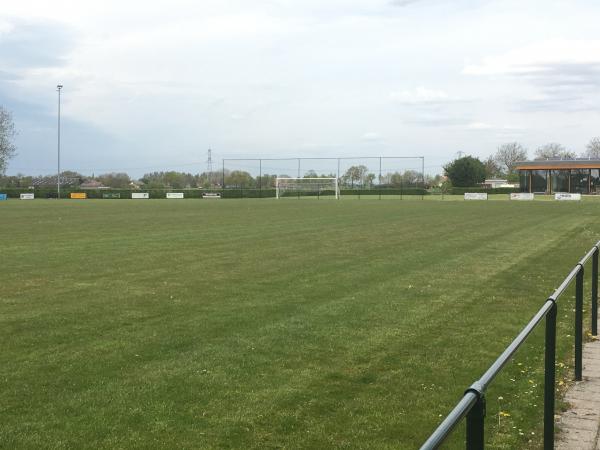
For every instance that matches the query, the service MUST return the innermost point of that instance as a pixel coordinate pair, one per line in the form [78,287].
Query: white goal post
[307,187]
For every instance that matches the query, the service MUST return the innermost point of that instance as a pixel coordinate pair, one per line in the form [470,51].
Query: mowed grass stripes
[273,324]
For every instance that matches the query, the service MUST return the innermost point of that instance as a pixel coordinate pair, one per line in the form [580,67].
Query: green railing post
[475,424]
[595,292]
[474,397]
[550,377]
[579,324]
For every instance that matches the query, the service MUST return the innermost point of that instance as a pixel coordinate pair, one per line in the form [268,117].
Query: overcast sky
[151,85]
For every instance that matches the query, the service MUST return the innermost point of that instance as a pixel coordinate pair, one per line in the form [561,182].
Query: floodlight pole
[58,88]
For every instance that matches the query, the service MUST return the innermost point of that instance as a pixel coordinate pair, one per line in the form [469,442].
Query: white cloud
[371,136]
[420,95]
[538,57]
[403,3]
[479,126]
[6,27]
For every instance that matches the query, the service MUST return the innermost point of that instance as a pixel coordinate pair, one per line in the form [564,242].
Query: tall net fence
[389,176]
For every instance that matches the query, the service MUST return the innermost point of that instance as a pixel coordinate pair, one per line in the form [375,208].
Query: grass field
[274,324]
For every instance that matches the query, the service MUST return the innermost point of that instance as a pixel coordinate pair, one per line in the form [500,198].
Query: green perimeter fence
[242,192]
[472,404]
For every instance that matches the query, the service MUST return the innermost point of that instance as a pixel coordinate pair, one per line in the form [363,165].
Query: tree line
[355,177]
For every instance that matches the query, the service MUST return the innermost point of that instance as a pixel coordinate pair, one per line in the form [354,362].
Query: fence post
[579,324]
[595,292]
[379,186]
[475,424]
[550,377]
[260,178]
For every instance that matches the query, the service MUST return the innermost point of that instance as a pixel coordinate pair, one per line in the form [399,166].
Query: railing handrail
[476,393]
[499,364]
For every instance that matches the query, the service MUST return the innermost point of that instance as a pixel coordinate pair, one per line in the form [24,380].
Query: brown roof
[545,164]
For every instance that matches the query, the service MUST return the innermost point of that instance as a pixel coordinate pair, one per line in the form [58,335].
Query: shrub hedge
[237,193]
[462,190]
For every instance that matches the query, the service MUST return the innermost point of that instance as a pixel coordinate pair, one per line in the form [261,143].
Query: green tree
[355,175]
[239,179]
[369,179]
[395,179]
[117,180]
[412,178]
[171,179]
[210,179]
[266,181]
[18,181]
[465,172]
[153,180]
[7,133]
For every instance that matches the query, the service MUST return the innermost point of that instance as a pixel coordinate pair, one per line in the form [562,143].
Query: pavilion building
[549,176]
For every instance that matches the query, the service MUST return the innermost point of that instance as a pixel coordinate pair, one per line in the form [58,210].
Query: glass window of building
[595,181]
[560,180]
[539,180]
[580,180]
[524,180]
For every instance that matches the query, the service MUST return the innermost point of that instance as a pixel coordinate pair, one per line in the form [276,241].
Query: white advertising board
[27,196]
[522,196]
[140,195]
[566,196]
[174,194]
[476,196]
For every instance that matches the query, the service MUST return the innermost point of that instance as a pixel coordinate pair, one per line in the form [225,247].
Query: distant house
[93,184]
[493,183]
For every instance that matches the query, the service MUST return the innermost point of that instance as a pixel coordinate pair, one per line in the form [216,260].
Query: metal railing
[472,404]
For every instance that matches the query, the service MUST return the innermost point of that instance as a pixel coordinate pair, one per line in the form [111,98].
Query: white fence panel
[522,196]
[565,196]
[476,196]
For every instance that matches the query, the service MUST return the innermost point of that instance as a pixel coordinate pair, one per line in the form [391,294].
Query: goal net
[309,187]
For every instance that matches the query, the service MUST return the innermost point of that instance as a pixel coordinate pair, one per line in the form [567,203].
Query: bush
[385,191]
[465,171]
[462,190]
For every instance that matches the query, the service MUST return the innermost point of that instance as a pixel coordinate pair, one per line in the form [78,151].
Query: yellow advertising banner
[78,195]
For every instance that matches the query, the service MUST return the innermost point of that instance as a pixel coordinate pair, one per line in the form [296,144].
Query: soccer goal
[307,187]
